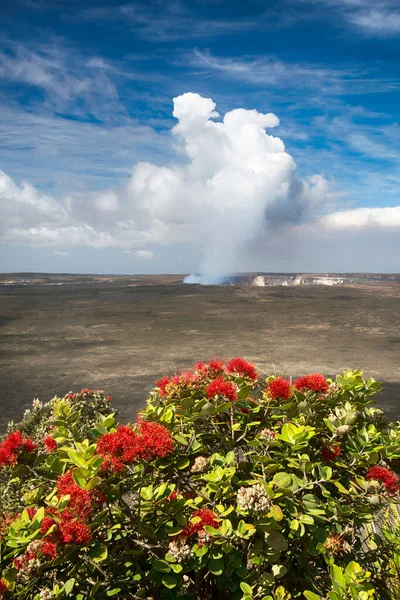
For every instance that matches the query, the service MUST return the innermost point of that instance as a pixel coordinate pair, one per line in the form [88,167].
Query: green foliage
[267,497]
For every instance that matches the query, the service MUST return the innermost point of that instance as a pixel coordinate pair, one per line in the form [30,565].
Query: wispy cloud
[373,17]
[264,70]
[179,20]
[67,81]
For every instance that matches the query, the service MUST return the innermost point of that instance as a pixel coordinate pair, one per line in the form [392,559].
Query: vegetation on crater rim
[228,486]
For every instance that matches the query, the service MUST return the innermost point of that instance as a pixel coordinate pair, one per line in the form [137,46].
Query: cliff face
[330,279]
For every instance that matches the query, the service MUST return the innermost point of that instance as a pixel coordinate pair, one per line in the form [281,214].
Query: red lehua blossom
[118,448]
[173,496]
[239,366]
[161,384]
[5,522]
[314,382]
[280,388]
[3,587]
[216,365]
[329,454]
[46,524]
[206,516]
[156,441]
[387,477]
[71,396]
[50,443]
[220,387]
[125,445]
[12,446]
[75,532]
[29,445]
[108,398]
[80,500]
[211,368]
[49,549]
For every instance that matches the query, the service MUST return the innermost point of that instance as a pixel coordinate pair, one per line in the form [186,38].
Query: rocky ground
[122,334]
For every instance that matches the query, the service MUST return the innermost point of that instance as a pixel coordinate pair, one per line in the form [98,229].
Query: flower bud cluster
[203,537]
[179,551]
[200,464]
[185,586]
[46,594]
[253,499]
[267,434]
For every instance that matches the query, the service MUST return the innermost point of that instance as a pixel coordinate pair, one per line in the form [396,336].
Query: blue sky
[86,94]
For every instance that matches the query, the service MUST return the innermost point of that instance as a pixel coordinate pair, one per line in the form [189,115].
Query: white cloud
[237,184]
[373,17]
[388,217]
[67,80]
[146,254]
[61,253]
[380,22]
[267,70]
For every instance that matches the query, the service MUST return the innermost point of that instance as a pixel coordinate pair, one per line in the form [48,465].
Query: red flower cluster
[210,369]
[50,443]
[12,446]
[329,454]
[161,384]
[126,445]
[3,587]
[220,387]
[48,549]
[5,522]
[314,382]
[280,388]
[387,477]
[239,366]
[74,532]
[181,380]
[80,501]
[46,524]
[206,516]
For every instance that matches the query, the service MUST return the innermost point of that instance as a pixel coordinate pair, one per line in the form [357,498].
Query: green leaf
[279,571]
[113,591]
[177,568]
[68,586]
[289,433]
[275,512]
[311,596]
[170,581]
[162,566]
[246,588]
[282,480]
[276,541]
[93,482]
[216,566]
[98,552]
[182,462]
[147,492]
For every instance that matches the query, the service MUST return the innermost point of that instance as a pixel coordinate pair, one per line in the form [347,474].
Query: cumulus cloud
[364,217]
[60,253]
[233,183]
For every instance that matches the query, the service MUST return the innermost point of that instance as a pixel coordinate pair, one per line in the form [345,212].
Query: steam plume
[237,180]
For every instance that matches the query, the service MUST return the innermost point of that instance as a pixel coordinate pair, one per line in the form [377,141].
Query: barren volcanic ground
[121,336]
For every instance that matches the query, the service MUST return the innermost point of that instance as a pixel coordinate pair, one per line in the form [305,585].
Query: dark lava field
[121,334]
